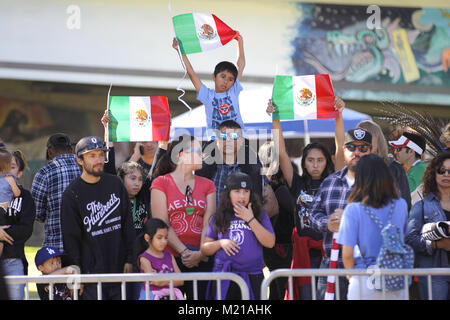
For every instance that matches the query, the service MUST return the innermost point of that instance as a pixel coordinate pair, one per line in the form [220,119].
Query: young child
[8,187]
[153,258]
[222,103]
[236,235]
[49,261]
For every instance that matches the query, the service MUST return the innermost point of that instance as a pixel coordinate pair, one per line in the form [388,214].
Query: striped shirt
[48,186]
[333,194]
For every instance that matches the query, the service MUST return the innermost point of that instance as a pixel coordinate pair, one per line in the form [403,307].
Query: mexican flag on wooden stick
[303,97]
[138,118]
[198,32]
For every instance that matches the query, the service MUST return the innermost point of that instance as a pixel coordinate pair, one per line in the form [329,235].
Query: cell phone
[141,150]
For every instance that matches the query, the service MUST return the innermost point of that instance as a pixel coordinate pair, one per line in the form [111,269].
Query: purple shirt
[160,265]
[250,253]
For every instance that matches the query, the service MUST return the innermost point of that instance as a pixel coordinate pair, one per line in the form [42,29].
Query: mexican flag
[198,32]
[303,97]
[138,119]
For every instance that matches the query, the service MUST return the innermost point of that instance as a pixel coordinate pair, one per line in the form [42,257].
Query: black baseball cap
[358,135]
[87,144]
[58,140]
[238,180]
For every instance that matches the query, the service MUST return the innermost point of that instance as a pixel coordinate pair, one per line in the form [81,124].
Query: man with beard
[96,220]
[331,199]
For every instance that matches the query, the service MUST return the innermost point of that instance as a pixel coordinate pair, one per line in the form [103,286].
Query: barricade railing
[375,272]
[74,281]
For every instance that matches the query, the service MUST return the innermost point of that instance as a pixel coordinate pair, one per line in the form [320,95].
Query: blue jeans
[14,267]
[440,288]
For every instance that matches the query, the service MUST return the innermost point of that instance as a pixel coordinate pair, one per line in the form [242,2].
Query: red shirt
[185,218]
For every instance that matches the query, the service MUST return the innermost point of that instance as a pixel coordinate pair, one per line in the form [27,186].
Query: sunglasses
[362,148]
[442,171]
[188,194]
[398,149]
[232,135]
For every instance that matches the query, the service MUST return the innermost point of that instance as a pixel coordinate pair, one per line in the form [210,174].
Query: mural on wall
[27,126]
[410,46]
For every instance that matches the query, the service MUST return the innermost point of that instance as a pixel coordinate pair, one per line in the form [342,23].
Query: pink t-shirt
[185,218]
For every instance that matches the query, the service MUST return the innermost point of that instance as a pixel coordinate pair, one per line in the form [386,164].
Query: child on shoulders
[222,103]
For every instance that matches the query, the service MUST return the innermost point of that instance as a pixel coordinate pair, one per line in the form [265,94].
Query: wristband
[248,222]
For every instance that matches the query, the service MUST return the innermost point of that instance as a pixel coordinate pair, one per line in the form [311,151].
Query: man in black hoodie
[96,220]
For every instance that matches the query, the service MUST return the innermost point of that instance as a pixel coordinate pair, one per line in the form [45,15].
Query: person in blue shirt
[359,235]
[222,103]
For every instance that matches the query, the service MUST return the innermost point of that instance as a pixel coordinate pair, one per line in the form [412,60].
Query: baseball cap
[87,144]
[410,140]
[358,135]
[58,140]
[238,180]
[46,253]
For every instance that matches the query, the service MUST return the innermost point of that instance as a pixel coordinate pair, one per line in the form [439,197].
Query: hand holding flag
[198,32]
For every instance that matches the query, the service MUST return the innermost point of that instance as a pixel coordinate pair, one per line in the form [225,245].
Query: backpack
[394,253]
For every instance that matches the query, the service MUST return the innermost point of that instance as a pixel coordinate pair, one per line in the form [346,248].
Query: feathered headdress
[421,122]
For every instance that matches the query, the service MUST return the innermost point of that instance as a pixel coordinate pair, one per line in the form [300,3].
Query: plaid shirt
[48,186]
[333,194]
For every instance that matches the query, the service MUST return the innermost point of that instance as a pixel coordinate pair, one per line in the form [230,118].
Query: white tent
[253,104]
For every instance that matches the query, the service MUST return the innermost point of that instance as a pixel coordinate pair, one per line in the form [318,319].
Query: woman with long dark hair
[374,200]
[434,207]
[185,202]
[305,249]
[236,235]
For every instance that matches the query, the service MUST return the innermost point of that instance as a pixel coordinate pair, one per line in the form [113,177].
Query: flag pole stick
[107,126]
[182,64]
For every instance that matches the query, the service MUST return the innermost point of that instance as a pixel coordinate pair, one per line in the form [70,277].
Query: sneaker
[435,231]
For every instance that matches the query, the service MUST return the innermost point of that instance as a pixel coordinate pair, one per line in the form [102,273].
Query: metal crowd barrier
[313,273]
[75,280]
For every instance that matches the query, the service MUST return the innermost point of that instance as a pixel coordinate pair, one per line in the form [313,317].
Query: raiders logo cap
[358,135]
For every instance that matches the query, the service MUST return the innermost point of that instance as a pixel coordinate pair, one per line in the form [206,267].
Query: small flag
[303,97]
[139,119]
[198,32]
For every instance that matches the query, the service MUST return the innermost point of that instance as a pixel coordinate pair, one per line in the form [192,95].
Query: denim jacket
[427,210]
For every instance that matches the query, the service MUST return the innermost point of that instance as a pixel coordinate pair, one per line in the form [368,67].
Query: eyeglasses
[232,135]
[188,194]
[442,171]
[362,148]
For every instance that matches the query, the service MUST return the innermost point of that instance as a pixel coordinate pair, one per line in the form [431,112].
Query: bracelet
[248,222]
[184,250]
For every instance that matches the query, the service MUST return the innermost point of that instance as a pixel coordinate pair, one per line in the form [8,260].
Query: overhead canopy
[253,104]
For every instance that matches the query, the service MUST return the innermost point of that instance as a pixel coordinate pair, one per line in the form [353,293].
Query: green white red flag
[136,118]
[303,97]
[198,32]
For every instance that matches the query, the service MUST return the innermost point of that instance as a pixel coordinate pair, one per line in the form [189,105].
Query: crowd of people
[221,206]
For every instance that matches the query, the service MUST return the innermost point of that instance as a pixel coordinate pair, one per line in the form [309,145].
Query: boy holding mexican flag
[222,103]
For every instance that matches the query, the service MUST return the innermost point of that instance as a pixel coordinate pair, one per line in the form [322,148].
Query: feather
[422,122]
